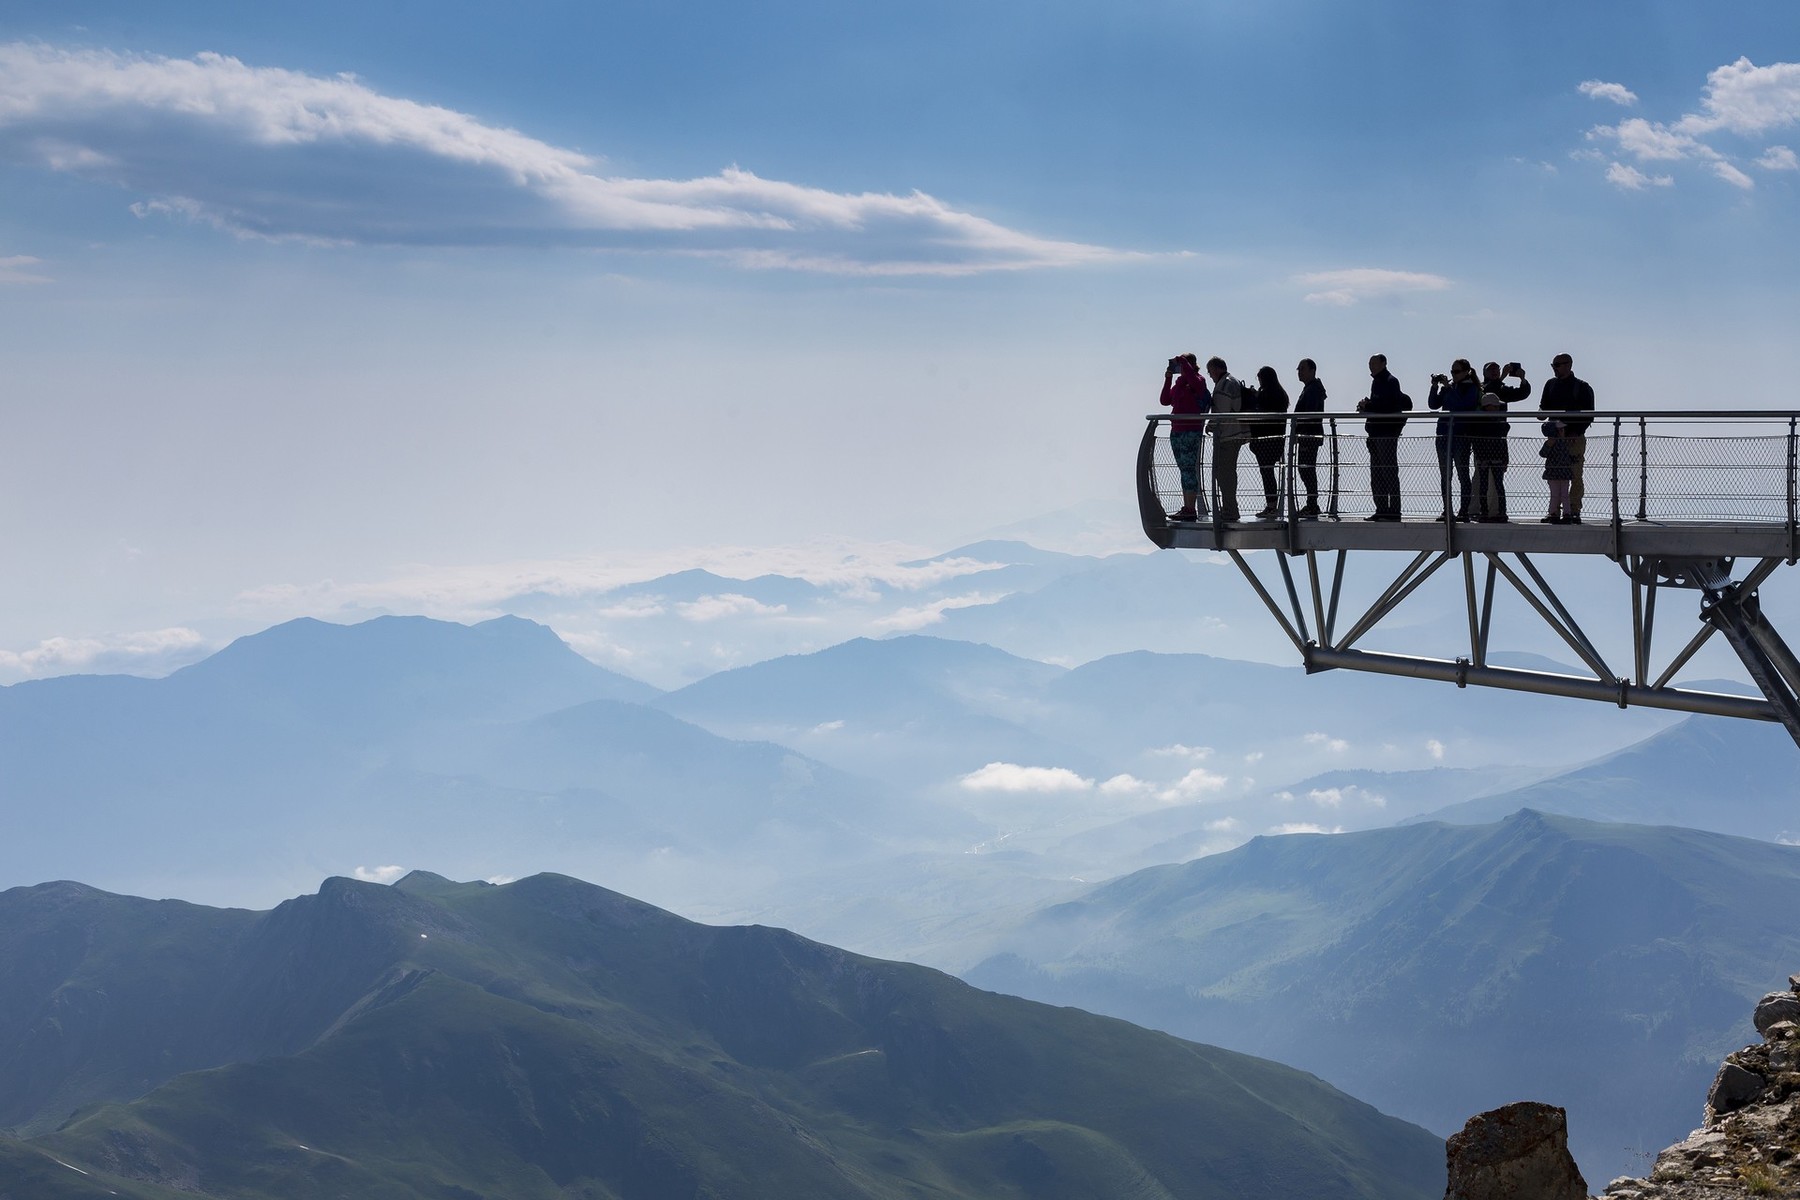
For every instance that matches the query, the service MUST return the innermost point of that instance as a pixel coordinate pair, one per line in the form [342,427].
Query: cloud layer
[268,152]
[1741,102]
[1344,288]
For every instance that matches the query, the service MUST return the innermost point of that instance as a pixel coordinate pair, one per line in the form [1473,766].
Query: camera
[1513,368]
[1440,380]
[1175,365]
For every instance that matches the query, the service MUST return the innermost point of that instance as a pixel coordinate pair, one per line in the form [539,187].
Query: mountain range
[548,1038]
[1441,970]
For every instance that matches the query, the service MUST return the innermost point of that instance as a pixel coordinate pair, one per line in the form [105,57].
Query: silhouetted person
[1386,406]
[1459,394]
[1491,430]
[1184,392]
[1565,393]
[1308,434]
[1229,436]
[1266,438]
[1559,470]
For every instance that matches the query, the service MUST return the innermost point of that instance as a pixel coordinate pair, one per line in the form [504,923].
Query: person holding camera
[1267,437]
[1490,433]
[1229,436]
[1386,406]
[1459,397]
[1184,393]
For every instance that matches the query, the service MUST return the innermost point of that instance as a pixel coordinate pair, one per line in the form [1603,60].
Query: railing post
[1790,489]
[1643,512]
[1615,487]
[1334,468]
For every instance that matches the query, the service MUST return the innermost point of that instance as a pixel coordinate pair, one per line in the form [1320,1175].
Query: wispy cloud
[919,616]
[728,604]
[1352,286]
[1304,827]
[17,268]
[1195,785]
[1011,777]
[1334,744]
[1740,99]
[274,153]
[1631,179]
[1618,93]
[1779,158]
[151,652]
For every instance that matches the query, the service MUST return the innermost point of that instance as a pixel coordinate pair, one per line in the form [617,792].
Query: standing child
[1559,469]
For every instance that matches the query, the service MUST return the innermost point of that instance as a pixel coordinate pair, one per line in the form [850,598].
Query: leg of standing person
[1577,444]
[1462,450]
[1306,459]
[1185,445]
[1497,513]
[1384,476]
[1445,451]
[1225,472]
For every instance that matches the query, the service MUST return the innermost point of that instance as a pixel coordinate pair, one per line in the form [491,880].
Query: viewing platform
[1680,484]
[1675,499]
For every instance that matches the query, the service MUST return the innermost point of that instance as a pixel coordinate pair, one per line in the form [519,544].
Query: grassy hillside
[549,1038]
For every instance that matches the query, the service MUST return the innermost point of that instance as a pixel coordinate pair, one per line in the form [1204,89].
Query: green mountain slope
[550,1039]
[1443,970]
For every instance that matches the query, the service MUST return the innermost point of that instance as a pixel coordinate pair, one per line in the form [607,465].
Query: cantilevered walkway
[1676,499]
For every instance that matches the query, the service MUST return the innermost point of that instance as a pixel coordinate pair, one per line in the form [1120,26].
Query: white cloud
[1733,176]
[1177,750]
[1011,777]
[379,874]
[1304,827]
[1223,825]
[1335,745]
[1344,288]
[16,269]
[1630,178]
[152,652]
[1254,757]
[1434,748]
[1196,784]
[1126,785]
[919,616]
[1618,93]
[1326,797]
[273,153]
[728,604]
[501,880]
[1740,99]
[827,727]
[1746,99]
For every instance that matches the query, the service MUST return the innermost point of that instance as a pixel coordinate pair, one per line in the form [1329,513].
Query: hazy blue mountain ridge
[1442,970]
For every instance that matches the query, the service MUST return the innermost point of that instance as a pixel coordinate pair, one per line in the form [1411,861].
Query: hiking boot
[1186,514]
[1268,513]
[1309,513]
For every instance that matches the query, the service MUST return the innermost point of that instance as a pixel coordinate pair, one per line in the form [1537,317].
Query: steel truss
[1729,608]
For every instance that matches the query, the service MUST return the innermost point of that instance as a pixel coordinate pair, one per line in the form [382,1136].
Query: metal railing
[1731,468]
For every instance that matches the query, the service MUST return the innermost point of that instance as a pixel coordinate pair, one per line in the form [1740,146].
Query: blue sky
[328,294]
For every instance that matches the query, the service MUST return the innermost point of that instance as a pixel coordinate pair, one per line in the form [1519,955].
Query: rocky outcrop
[1510,1153]
[1750,1142]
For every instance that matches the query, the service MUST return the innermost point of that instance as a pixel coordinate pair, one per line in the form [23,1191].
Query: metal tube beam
[1268,601]
[1542,682]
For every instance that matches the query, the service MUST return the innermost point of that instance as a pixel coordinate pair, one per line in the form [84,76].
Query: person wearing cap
[1566,394]
[1184,392]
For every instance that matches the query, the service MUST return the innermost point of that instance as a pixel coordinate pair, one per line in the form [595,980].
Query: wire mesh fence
[1736,468]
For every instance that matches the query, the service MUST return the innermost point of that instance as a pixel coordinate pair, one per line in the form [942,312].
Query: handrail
[1737,466]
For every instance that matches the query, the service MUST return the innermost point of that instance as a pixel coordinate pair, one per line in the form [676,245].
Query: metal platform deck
[1674,498]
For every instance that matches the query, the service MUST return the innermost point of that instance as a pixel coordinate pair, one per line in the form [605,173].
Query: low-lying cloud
[151,652]
[1011,777]
[275,153]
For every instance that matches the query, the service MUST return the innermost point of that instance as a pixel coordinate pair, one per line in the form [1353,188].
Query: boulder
[1773,1008]
[1515,1152]
[1733,1087]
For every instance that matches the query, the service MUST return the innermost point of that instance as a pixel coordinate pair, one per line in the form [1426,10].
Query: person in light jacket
[1229,436]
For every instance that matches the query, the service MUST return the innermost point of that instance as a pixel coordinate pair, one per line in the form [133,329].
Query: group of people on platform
[1471,435]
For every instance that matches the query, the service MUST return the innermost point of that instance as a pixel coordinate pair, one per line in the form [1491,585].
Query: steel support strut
[1727,608]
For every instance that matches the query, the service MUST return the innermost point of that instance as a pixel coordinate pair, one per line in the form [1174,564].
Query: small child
[1559,469]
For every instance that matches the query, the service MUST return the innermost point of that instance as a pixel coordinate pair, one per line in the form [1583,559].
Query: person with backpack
[1267,438]
[1229,436]
[1386,406]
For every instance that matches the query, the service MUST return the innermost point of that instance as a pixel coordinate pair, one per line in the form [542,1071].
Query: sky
[301,301]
